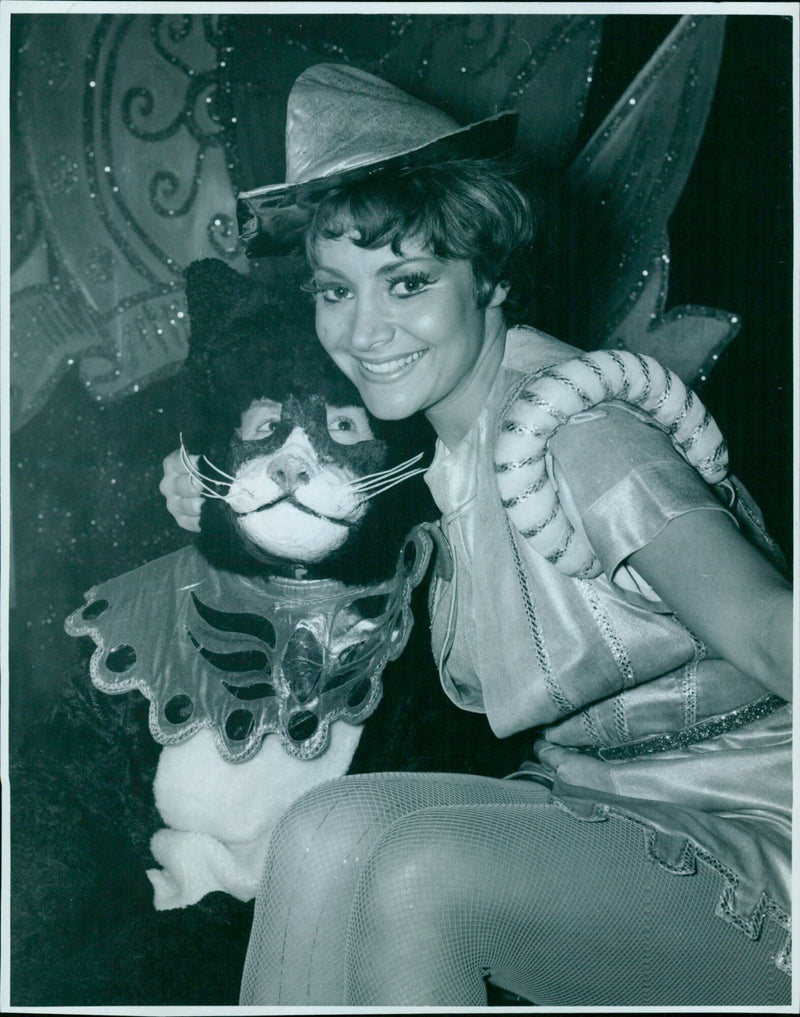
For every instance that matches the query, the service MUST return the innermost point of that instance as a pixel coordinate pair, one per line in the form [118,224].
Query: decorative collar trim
[247,657]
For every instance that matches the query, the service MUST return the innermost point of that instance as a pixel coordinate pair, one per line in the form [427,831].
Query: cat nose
[289,471]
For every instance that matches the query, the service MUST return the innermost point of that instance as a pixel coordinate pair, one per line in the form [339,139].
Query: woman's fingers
[180,492]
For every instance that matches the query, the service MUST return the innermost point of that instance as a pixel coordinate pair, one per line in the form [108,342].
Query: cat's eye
[348,425]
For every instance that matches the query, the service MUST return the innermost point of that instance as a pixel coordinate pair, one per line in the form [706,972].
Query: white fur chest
[218,816]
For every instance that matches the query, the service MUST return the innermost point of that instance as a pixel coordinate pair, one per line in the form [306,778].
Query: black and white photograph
[398,506]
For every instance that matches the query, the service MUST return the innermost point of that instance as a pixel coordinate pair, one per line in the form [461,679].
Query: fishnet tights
[410,889]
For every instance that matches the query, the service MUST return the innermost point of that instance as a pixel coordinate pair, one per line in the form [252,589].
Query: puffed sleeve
[621,480]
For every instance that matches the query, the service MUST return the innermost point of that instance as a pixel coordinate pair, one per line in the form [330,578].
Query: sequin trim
[699,732]
[609,633]
[590,727]
[618,651]
[542,658]
[689,680]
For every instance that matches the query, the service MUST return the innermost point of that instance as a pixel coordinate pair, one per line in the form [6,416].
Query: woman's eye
[409,285]
[260,419]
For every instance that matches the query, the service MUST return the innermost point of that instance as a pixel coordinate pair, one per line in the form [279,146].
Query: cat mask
[293,465]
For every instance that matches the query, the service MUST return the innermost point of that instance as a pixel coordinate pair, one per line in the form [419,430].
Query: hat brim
[272,219]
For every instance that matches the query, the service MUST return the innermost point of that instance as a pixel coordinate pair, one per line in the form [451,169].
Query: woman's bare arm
[725,592]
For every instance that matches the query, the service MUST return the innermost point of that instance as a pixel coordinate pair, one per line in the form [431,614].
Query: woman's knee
[413,872]
[409,933]
[334,820]
[320,816]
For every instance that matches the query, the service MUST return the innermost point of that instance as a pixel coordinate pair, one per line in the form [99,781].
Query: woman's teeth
[388,366]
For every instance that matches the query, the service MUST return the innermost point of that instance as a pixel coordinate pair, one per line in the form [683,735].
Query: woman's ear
[491,294]
[499,293]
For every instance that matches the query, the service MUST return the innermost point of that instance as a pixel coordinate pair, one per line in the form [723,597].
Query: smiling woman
[630,673]
[652,692]
[409,286]
[434,884]
[408,331]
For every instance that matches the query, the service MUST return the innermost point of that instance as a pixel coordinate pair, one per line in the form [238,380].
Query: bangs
[458,211]
[375,217]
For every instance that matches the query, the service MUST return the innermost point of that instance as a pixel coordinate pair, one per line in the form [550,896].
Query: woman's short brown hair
[463,210]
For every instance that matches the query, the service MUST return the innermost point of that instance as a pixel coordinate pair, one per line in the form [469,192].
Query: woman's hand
[725,592]
[183,501]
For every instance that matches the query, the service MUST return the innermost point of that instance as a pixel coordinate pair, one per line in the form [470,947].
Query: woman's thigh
[296,950]
[561,910]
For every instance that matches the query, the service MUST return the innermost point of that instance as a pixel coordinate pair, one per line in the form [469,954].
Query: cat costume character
[269,626]
[225,679]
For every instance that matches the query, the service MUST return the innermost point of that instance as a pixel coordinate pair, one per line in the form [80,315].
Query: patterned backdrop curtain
[136,130]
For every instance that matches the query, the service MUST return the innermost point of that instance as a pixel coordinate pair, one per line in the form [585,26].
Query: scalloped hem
[676,853]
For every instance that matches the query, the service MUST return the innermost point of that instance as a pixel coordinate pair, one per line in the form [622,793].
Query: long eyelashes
[373,484]
[331,293]
[414,283]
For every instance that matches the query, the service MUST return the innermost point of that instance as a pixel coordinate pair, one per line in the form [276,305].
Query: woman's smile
[389,370]
[407,329]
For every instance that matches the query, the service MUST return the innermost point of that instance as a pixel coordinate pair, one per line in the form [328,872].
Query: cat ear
[213,291]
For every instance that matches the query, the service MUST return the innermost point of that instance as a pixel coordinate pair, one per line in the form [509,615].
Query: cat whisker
[370,479]
[185,459]
[379,488]
[216,469]
[203,488]
[201,482]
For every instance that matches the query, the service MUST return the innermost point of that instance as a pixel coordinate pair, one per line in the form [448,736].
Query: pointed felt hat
[343,124]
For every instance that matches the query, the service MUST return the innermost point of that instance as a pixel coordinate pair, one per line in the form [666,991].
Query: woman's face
[406,330]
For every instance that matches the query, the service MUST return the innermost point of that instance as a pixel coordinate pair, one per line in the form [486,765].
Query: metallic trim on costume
[557,694]
[590,726]
[728,908]
[248,657]
[699,732]
[612,638]
[689,680]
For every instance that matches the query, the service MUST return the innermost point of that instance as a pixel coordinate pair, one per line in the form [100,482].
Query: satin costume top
[631,710]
